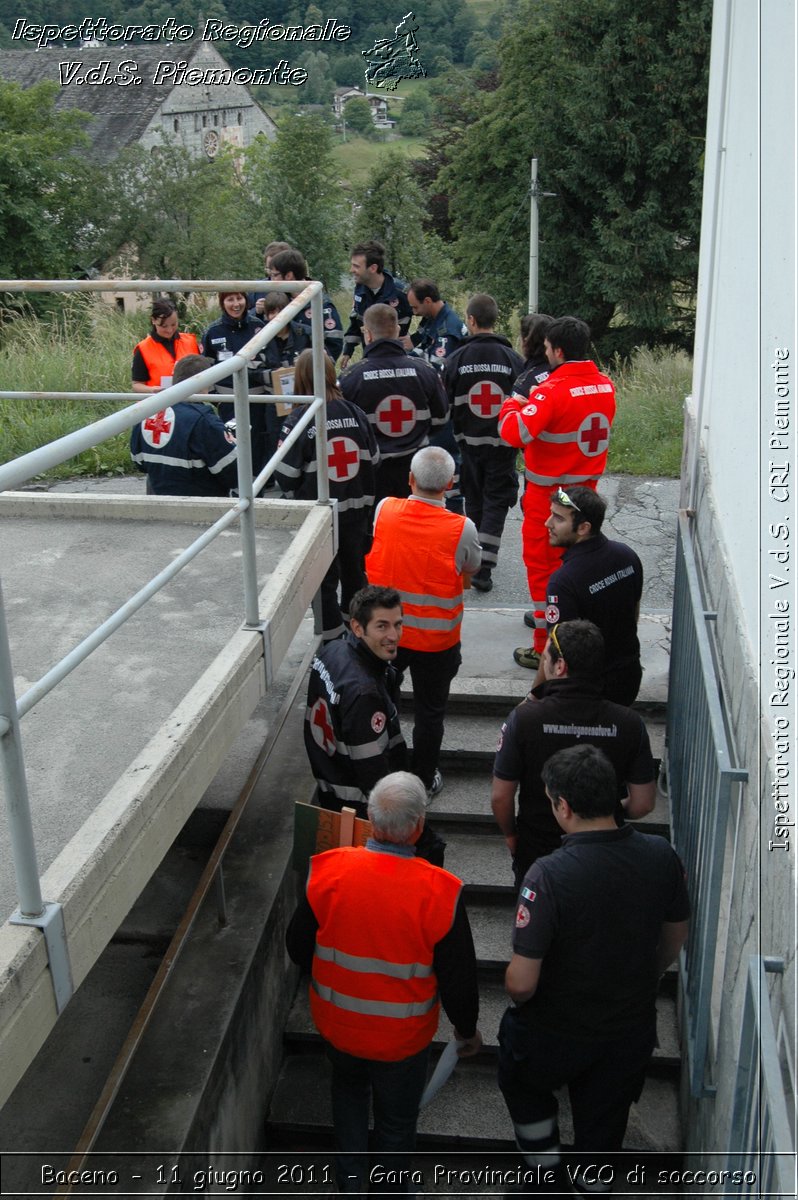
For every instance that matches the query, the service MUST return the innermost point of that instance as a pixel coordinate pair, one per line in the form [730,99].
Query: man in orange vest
[425,551]
[384,933]
[563,428]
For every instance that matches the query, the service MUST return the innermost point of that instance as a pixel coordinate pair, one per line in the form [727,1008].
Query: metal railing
[32,909]
[700,776]
[759,1114]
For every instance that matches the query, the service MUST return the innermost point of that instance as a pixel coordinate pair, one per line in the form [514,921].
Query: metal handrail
[759,1133]
[32,910]
[700,775]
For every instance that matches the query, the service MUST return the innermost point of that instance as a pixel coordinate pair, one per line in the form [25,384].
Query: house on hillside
[202,116]
[378,105]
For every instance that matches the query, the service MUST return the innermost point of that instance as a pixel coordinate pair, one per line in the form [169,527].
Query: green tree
[357,114]
[613,105]
[185,217]
[318,87]
[416,114]
[294,182]
[391,207]
[44,185]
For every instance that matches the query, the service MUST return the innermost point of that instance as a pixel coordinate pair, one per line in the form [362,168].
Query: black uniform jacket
[479,377]
[401,395]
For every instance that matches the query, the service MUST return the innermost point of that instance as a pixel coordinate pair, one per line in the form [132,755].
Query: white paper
[445,1065]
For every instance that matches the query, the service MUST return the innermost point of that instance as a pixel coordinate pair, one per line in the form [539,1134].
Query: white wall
[746,322]
[746,297]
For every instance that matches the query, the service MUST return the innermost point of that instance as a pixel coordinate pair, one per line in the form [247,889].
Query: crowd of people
[423,434]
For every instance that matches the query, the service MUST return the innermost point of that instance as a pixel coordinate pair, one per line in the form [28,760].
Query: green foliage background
[610,96]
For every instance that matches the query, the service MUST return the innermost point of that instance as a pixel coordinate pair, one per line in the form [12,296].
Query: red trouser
[540,559]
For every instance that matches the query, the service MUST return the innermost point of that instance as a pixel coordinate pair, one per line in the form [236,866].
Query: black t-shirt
[593,911]
[600,581]
[565,712]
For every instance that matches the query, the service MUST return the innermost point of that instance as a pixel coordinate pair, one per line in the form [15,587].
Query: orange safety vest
[159,361]
[414,551]
[373,990]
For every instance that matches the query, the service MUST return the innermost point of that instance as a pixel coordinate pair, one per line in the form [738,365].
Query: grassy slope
[356,157]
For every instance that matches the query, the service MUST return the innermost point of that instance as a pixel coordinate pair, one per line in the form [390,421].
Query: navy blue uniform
[393,293]
[602,581]
[352,457]
[479,378]
[437,337]
[185,451]
[352,733]
[534,372]
[222,340]
[403,398]
[333,326]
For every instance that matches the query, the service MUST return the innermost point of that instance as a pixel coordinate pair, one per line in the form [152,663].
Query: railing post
[248,545]
[320,389]
[16,786]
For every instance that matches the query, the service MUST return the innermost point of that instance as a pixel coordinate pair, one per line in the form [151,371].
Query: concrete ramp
[119,754]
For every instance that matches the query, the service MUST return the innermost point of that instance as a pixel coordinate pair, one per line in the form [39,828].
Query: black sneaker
[482,580]
[529,618]
[435,787]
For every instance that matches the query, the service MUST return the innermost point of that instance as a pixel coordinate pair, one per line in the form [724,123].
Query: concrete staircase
[469,1112]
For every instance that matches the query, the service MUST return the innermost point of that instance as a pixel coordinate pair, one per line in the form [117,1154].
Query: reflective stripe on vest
[414,551]
[374,992]
[357,962]
[374,1008]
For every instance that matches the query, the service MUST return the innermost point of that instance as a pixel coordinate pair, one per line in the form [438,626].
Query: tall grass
[85,346]
[647,433]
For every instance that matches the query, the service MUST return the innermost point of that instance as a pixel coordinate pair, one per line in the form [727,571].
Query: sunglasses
[564,499]
[553,636]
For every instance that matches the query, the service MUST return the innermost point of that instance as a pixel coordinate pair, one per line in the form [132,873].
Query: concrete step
[468,1112]
[463,806]
[301,1035]
[484,860]
[479,730]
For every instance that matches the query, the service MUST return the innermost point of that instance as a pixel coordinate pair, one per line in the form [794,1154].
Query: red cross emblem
[593,435]
[485,399]
[158,426]
[552,614]
[343,459]
[396,415]
[321,727]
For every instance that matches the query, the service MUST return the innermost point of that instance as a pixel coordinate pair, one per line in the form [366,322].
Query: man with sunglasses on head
[566,708]
[563,428]
[598,580]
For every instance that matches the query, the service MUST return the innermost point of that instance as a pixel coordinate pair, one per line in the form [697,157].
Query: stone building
[203,116]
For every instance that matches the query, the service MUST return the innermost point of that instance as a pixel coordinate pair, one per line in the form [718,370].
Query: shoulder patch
[529,410]
[378,720]
[522,917]
[552,614]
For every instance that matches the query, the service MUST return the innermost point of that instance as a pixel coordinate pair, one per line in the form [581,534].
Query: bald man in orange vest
[427,553]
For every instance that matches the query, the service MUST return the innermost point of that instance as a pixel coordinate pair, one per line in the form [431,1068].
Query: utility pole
[533,237]
[534,193]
